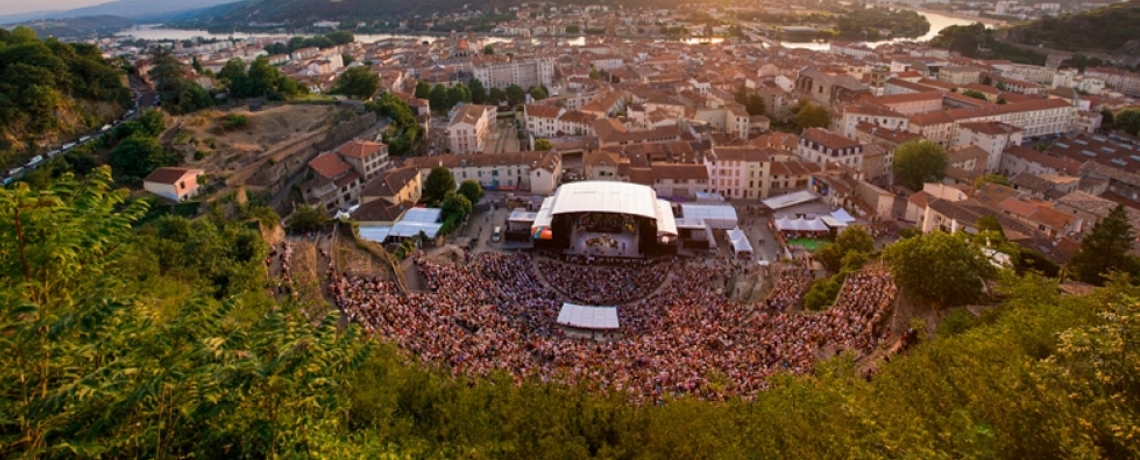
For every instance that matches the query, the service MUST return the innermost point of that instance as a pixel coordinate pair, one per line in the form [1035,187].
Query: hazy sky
[25,6]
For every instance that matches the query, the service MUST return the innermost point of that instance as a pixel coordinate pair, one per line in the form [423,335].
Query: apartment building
[820,146]
[524,73]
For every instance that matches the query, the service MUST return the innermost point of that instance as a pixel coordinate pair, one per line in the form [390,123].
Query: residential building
[176,184]
[396,186]
[469,127]
[537,172]
[992,137]
[821,146]
[524,73]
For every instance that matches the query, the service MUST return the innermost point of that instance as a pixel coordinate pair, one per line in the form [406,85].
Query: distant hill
[78,27]
[1113,29]
[134,9]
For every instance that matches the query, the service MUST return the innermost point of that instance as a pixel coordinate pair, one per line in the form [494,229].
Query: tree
[439,100]
[515,95]
[423,89]
[991,179]
[341,37]
[753,103]
[488,50]
[538,93]
[822,293]
[455,206]
[358,83]
[813,116]
[1106,250]
[472,190]
[137,156]
[1128,120]
[974,94]
[939,267]
[918,162]
[348,59]
[542,145]
[307,219]
[438,183]
[852,239]
[496,95]
[478,91]
[990,224]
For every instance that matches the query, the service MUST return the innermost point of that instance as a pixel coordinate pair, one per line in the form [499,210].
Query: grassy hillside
[1113,29]
[51,92]
[79,27]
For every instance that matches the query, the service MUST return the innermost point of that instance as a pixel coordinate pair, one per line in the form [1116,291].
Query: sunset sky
[27,6]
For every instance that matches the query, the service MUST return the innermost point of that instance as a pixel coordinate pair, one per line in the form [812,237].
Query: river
[937,23]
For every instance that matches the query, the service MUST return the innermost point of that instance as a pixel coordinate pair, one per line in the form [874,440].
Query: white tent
[843,216]
[718,216]
[740,243]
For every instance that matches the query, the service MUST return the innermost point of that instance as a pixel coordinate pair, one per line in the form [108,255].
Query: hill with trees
[128,337]
[1113,29]
[51,92]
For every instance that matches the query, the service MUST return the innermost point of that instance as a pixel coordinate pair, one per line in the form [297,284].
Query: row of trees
[258,79]
[330,40]
[443,98]
[405,132]
[178,94]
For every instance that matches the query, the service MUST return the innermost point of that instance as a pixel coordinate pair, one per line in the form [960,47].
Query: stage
[586,243]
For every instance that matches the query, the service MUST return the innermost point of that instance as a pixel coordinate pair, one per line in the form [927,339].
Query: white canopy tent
[786,224]
[740,244]
[843,216]
[718,216]
[583,317]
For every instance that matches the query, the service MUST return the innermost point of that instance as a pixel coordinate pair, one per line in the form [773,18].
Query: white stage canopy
[377,233]
[605,196]
[718,216]
[417,220]
[583,317]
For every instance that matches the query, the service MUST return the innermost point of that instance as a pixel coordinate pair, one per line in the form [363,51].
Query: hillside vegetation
[51,91]
[1112,29]
[159,340]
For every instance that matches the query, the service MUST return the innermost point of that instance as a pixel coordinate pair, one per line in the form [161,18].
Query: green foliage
[137,156]
[538,93]
[478,91]
[1106,29]
[455,206]
[40,85]
[1106,249]
[989,223]
[940,268]
[496,95]
[423,89]
[515,95]
[1128,120]
[234,121]
[956,321]
[358,83]
[918,162]
[813,116]
[179,94]
[307,218]
[852,239]
[866,23]
[488,50]
[753,103]
[261,80]
[974,94]
[542,145]
[437,185]
[407,133]
[976,41]
[339,37]
[472,190]
[822,293]
[992,179]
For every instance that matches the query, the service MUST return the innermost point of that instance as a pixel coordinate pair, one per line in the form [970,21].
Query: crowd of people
[685,338]
[788,287]
[609,285]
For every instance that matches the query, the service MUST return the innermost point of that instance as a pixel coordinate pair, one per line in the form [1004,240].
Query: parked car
[84,139]
[35,161]
[68,146]
[14,171]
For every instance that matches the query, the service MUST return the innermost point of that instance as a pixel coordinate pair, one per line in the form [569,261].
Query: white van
[497,235]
